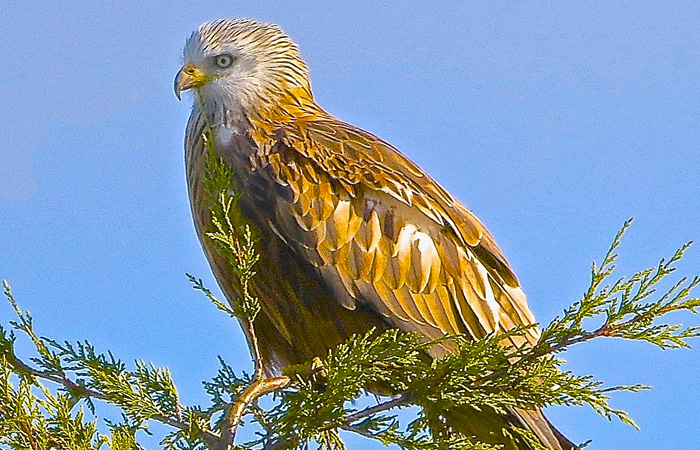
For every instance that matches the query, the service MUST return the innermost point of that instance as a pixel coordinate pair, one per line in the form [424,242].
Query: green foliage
[48,400]
[29,422]
[233,236]
[624,306]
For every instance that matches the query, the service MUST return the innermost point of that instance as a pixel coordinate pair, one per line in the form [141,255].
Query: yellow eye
[224,60]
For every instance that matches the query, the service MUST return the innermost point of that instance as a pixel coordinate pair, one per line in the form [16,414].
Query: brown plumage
[353,234]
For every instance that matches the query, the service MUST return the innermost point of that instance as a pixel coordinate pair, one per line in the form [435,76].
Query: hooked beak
[189,77]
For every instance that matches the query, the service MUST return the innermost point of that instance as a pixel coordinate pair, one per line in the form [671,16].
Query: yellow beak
[189,77]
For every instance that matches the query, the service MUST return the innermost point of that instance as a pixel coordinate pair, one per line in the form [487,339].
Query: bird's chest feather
[263,188]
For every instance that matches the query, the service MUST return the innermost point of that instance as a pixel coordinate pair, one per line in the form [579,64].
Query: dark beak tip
[177,88]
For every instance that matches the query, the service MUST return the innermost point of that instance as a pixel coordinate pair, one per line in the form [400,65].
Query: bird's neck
[261,116]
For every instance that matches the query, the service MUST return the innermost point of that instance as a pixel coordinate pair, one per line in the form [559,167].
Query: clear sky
[553,122]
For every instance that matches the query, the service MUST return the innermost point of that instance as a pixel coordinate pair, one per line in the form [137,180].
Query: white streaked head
[240,65]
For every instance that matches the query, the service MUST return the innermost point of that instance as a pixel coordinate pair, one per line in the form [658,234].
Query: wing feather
[383,232]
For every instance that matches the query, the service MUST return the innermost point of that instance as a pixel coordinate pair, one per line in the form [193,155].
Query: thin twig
[255,350]
[401,400]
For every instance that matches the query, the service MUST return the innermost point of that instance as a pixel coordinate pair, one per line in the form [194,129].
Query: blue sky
[553,123]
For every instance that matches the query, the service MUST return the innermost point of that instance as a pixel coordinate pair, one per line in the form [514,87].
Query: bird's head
[239,67]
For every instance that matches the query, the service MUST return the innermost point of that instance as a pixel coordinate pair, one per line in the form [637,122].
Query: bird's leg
[259,387]
[236,410]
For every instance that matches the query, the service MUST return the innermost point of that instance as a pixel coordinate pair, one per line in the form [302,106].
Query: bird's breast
[230,136]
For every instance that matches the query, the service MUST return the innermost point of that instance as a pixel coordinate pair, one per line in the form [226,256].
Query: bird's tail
[490,427]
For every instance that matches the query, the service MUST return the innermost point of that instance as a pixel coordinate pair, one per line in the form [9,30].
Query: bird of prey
[353,234]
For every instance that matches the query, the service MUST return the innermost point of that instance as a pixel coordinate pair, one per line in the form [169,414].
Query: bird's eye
[224,60]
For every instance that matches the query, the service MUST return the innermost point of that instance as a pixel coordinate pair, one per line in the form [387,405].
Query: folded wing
[380,230]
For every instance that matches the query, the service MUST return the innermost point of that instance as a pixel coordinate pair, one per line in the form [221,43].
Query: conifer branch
[313,398]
